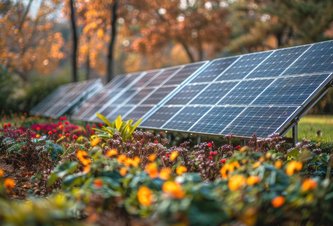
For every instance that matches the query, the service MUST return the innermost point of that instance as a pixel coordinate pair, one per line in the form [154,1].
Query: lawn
[316,127]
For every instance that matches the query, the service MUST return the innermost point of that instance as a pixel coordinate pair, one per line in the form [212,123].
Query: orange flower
[136,161]
[308,184]
[98,183]
[37,135]
[112,152]
[181,170]
[95,141]
[173,189]
[165,173]
[252,180]
[9,183]
[236,182]
[83,157]
[145,196]
[123,171]
[228,168]
[278,201]
[152,157]
[278,164]
[86,169]
[293,167]
[152,170]
[122,158]
[174,155]
[2,173]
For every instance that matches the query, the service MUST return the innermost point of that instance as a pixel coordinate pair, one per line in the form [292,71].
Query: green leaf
[118,122]
[104,119]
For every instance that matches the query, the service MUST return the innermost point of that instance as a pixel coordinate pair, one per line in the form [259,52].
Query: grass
[316,127]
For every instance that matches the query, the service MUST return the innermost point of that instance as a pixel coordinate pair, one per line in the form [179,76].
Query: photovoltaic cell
[184,73]
[163,76]
[290,91]
[214,70]
[185,118]
[243,66]
[137,112]
[213,93]
[186,94]
[277,62]
[139,96]
[319,58]
[216,120]
[160,117]
[158,95]
[245,92]
[261,121]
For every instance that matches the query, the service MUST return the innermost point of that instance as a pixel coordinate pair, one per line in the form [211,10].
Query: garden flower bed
[59,173]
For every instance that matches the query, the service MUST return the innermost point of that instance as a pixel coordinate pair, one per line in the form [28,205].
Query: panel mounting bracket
[295,132]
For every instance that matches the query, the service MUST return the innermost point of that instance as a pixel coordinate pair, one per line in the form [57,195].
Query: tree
[259,25]
[29,43]
[74,40]
[113,35]
[199,26]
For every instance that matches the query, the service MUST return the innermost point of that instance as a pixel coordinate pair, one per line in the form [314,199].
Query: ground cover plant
[59,173]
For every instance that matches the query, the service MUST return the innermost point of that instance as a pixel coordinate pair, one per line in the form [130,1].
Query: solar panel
[108,94]
[65,98]
[259,93]
[148,92]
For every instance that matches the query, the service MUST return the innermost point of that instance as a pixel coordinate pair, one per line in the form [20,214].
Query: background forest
[45,43]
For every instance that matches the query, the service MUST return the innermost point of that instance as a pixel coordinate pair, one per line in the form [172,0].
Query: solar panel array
[65,97]
[134,100]
[257,93]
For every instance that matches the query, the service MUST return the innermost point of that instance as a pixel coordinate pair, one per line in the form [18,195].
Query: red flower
[209,144]
[74,137]
[67,122]
[100,124]
[8,124]
[156,141]
[210,157]
[67,134]
[238,147]
[49,133]
[63,118]
[223,161]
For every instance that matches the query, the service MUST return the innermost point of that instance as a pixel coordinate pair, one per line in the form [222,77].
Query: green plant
[124,128]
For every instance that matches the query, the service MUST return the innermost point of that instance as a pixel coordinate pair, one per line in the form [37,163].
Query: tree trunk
[88,60]
[24,16]
[74,40]
[187,50]
[113,34]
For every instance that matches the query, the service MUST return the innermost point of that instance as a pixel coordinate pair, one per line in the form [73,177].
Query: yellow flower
[252,180]
[145,196]
[2,173]
[173,189]
[152,157]
[278,164]
[228,169]
[83,157]
[174,155]
[308,184]
[256,165]
[121,158]
[112,152]
[261,159]
[152,170]
[181,170]
[95,141]
[245,149]
[293,167]
[123,171]
[278,201]
[136,161]
[9,183]
[165,173]
[236,182]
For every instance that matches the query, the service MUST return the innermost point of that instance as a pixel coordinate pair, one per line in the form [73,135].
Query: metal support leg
[295,134]
[199,140]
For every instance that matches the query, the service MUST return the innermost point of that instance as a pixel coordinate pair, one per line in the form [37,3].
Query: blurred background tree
[36,43]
